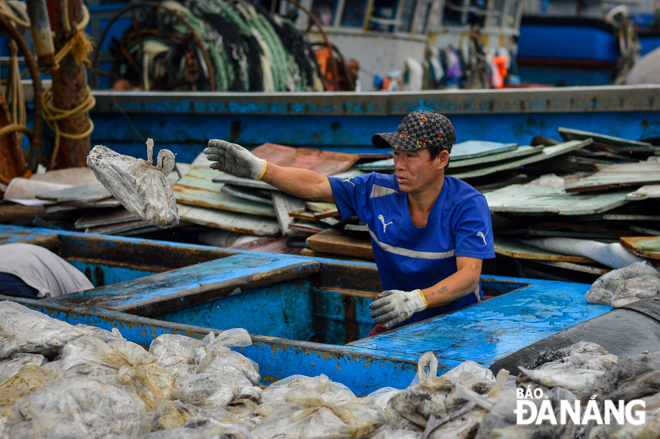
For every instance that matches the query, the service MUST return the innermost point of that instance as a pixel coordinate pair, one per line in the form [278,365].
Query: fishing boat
[312,312]
[345,121]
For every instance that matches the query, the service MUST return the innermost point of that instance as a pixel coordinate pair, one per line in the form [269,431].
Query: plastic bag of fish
[625,285]
[138,185]
[207,372]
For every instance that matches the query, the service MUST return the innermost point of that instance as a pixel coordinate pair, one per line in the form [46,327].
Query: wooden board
[138,226]
[283,204]
[198,189]
[545,153]
[101,204]
[223,177]
[105,217]
[577,267]
[645,192]
[619,176]
[255,195]
[521,151]
[519,250]
[322,162]
[335,242]
[90,192]
[235,222]
[644,246]
[538,200]
[571,134]
[479,148]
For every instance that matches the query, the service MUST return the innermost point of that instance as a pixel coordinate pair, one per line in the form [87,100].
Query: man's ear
[443,159]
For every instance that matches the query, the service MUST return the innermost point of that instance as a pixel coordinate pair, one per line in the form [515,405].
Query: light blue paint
[282,310]
[161,286]
[187,135]
[111,275]
[495,328]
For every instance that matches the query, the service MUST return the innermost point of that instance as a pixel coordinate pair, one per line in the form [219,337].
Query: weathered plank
[236,222]
[479,148]
[644,246]
[528,199]
[138,226]
[577,267]
[283,204]
[571,134]
[195,284]
[619,176]
[90,192]
[105,217]
[322,162]
[519,250]
[196,188]
[255,195]
[521,151]
[223,177]
[545,153]
[645,192]
[335,242]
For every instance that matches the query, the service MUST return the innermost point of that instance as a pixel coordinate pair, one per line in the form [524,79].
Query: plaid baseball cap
[419,129]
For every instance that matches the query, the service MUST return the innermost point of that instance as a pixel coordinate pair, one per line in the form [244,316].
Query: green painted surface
[527,199]
[198,189]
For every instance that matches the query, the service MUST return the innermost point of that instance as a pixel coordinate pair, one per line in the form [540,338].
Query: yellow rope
[53,114]
[14,127]
[7,12]
[79,46]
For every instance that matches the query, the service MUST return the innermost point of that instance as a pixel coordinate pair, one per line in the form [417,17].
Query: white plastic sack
[634,289]
[123,362]
[432,395]
[202,429]
[78,408]
[603,289]
[23,330]
[29,379]
[178,354]
[10,367]
[310,414]
[138,185]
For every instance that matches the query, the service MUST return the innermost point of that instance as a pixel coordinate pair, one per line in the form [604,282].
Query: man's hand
[235,159]
[394,306]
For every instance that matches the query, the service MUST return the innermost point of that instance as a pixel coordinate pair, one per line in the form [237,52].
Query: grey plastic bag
[138,185]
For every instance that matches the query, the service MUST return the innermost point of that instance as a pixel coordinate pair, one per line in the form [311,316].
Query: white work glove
[235,159]
[394,306]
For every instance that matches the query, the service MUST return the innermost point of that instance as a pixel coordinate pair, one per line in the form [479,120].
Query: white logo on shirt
[382,220]
[482,236]
[348,180]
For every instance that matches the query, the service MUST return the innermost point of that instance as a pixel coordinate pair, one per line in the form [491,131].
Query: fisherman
[32,271]
[429,232]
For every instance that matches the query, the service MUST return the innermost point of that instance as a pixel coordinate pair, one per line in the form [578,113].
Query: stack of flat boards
[222,200]
[614,145]
[479,158]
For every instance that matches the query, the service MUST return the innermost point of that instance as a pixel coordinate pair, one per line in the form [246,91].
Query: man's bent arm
[458,285]
[299,182]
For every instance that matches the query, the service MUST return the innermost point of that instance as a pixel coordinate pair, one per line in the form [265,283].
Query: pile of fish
[63,381]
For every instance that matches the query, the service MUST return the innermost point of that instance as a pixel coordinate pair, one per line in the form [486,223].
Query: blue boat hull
[306,315]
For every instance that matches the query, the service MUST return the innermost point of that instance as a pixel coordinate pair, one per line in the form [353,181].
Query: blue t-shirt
[409,257]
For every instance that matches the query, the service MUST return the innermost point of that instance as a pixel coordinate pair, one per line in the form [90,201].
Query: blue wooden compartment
[305,315]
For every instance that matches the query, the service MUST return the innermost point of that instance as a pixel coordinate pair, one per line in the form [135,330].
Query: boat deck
[306,315]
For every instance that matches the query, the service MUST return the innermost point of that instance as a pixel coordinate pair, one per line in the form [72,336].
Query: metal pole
[69,86]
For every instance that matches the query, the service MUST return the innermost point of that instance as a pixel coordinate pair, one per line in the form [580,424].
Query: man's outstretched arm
[235,159]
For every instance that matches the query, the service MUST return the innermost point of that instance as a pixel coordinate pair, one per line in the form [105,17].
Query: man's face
[415,170]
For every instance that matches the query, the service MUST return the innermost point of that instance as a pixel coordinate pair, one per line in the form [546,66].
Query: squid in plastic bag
[138,185]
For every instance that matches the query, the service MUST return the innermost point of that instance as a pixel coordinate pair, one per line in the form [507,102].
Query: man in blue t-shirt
[429,232]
